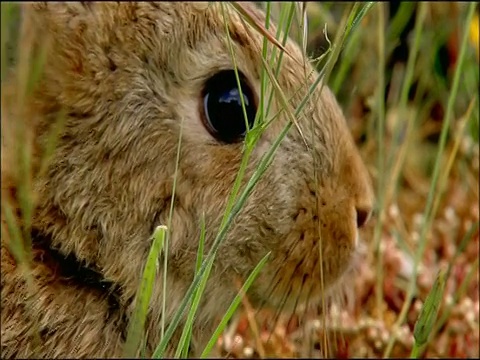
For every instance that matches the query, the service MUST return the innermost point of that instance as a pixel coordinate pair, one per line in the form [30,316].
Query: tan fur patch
[127,76]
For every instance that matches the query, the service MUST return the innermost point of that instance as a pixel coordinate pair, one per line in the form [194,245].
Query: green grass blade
[169,226]
[238,204]
[288,20]
[380,157]
[429,213]
[399,22]
[460,249]
[265,161]
[428,314]
[184,343]
[7,16]
[360,15]
[10,226]
[137,322]
[233,307]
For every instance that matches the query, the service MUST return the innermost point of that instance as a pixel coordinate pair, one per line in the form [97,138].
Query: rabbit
[129,81]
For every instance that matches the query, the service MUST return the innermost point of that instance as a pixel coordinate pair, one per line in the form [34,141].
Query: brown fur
[127,76]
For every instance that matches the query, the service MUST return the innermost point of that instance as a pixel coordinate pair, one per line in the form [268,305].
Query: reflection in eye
[234,95]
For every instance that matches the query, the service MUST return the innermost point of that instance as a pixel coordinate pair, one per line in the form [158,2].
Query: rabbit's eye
[222,106]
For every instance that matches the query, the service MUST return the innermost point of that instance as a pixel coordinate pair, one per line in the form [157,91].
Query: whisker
[273,284]
[307,303]
[284,299]
[297,298]
[277,313]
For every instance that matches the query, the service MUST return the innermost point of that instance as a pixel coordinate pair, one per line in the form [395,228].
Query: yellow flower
[474,36]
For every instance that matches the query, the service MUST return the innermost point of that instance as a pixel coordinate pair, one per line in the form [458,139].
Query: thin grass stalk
[233,306]
[409,73]
[380,156]
[428,314]
[263,165]
[184,342]
[166,247]
[136,325]
[461,289]
[429,213]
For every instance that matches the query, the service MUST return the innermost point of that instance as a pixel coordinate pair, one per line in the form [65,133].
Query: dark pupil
[223,106]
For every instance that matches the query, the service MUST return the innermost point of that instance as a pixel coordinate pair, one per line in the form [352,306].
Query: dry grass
[366,324]
[399,138]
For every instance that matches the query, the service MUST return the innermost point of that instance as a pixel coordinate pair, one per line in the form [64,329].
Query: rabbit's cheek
[311,258]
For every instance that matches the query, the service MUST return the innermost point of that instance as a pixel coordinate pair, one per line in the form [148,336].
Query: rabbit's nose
[363,214]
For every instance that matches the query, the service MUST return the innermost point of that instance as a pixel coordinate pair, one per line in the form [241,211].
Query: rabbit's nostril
[363,214]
